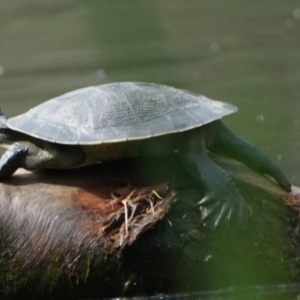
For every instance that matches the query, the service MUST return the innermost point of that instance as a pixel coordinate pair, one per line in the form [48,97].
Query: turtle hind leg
[12,159]
[222,198]
[229,144]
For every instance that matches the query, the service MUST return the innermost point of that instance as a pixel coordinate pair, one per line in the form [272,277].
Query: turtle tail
[229,144]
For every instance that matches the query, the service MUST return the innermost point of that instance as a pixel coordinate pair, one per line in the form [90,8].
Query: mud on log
[132,228]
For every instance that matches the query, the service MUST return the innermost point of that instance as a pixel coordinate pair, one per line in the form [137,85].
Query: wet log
[132,228]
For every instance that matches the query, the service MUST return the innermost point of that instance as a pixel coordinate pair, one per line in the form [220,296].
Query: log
[131,228]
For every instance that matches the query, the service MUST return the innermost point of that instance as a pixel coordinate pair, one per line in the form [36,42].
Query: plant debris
[138,210]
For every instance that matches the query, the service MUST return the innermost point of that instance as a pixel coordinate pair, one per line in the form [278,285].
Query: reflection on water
[242,52]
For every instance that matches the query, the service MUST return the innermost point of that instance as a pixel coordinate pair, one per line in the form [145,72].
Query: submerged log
[132,228]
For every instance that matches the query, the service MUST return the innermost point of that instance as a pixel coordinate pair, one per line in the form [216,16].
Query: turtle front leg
[12,159]
[222,199]
[228,143]
[33,156]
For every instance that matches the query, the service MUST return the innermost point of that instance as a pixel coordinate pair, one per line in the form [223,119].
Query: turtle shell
[118,112]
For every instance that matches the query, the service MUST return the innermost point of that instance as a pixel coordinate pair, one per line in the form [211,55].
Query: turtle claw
[219,207]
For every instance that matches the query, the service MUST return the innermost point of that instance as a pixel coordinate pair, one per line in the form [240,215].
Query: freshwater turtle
[118,120]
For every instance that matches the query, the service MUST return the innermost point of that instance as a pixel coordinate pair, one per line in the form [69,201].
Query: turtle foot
[12,159]
[227,208]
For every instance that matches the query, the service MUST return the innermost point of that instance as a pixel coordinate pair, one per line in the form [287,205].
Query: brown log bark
[132,228]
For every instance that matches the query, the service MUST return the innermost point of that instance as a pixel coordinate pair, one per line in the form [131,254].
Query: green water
[243,52]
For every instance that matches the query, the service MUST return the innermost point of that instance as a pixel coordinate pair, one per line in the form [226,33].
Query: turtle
[119,120]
